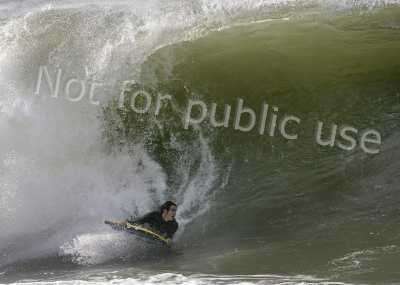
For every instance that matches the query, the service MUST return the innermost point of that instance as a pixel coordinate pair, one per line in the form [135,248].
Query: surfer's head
[168,211]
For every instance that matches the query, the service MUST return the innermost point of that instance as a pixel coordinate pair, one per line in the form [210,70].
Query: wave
[67,166]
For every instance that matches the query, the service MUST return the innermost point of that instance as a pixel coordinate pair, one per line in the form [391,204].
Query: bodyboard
[138,230]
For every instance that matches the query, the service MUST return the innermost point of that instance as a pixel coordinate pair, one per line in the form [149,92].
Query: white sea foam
[180,279]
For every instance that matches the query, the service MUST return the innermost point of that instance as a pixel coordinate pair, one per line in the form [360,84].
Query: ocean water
[254,206]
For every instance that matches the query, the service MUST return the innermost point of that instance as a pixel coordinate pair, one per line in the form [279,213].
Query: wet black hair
[167,205]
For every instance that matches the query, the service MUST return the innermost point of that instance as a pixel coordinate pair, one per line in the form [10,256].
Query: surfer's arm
[171,230]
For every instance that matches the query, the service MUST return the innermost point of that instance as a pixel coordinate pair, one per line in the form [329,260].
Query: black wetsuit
[155,220]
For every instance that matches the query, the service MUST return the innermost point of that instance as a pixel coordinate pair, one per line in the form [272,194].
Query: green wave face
[287,205]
